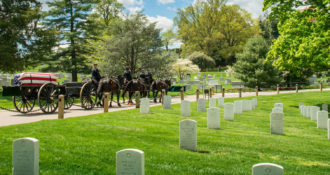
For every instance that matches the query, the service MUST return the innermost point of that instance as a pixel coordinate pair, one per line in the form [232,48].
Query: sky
[164,11]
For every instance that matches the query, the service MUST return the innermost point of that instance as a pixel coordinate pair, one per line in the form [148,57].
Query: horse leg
[123,95]
[111,99]
[161,96]
[154,95]
[118,96]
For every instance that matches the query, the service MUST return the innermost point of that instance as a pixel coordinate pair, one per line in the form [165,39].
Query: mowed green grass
[88,145]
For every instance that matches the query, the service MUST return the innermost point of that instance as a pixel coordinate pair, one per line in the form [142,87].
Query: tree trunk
[73,51]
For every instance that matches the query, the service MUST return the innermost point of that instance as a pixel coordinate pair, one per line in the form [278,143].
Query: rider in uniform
[127,75]
[96,77]
[142,75]
[149,76]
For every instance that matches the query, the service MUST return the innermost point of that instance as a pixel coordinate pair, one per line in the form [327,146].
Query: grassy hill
[88,145]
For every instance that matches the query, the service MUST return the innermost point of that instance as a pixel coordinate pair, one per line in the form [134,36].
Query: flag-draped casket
[37,78]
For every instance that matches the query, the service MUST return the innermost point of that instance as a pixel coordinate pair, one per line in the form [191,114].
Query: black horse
[133,86]
[158,86]
[109,85]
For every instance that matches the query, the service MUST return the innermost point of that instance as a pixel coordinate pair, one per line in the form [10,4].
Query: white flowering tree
[183,66]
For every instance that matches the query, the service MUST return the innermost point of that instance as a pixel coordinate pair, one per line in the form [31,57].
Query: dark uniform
[149,75]
[142,75]
[96,74]
[127,75]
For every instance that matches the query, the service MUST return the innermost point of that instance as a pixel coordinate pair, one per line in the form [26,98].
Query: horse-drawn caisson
[44,89]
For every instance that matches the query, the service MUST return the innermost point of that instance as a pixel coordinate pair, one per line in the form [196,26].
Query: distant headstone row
[316,114]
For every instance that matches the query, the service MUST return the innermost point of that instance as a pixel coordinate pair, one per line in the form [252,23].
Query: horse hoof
[119,105]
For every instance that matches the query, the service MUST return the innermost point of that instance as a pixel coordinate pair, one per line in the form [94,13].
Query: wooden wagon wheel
[47,98]
[88,96]
[22,104]
[68,102]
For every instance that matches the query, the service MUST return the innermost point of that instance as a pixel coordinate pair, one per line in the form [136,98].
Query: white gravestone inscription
[188,135]
[276,123]
[26,156]
[277,109]
[267,169]
[213,118]
[130,162]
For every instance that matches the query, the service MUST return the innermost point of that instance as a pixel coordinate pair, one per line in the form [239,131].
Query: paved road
[13,118]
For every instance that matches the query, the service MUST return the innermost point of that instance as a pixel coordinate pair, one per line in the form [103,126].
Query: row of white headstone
[315,114]
[128,161]
[188,128]
[145,104]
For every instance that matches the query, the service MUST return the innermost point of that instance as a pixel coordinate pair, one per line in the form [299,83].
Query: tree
[269,30]
[102,19]
[303,45]
[23,41]
[251,66]
[135,42]
[70,18]
[182,66]
[203,61]
[215,29]
[168,38]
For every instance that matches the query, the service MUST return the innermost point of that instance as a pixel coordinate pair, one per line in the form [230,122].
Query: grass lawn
[88,145]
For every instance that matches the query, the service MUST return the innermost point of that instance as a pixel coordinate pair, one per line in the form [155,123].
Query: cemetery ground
[88,145]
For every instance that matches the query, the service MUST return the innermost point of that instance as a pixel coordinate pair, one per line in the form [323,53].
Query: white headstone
[322,119]
[267,169]
[250,105]
[185,108]
[201,105]
[313,112]
[245,105]
[167,102]
[306,111]
[213,103]
[213,118]
[276,123]
[277,110]
[129,162]
[238,107]
[325,107]
[144,107]
[188,135]
[229,111]
[26,156]
[301,108]
[221,101]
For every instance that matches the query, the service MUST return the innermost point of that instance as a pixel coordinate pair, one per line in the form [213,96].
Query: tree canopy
[216,29]
[70,18]
[303,45]
[135,43]
[23,40]
[251,66]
